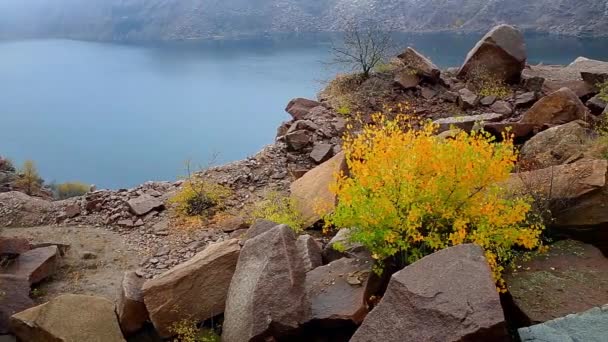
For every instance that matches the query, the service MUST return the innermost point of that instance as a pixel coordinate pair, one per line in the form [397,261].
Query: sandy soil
[100,276]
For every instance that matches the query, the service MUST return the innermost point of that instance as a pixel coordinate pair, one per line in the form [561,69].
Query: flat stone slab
[570,278]
[337,290]
[589,326]
[144,204]
[35,265]
[466,123]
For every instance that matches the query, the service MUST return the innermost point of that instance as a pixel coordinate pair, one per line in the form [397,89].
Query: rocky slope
[191,19]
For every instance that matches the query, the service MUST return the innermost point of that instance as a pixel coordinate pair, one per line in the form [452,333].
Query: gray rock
[72,210]
[35,265]
[525,99]
[449,96]
[592,71]
[310,251]
[340,246]
[421,64]
[589,326]
[144,204]
[466,123]
[488,100]
[69,318]
[408,79]
[337,290]
[195,290]
[267,295]
[500,54]
[467,99]
[299,108]
[259,227]
[447,296]
[297,140]
[428,93]
[130,307]
[555,145]
[596,105]
[557,108]
[321,152]
[502,107]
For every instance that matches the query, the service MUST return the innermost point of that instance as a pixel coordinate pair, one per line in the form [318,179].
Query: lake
[118,115]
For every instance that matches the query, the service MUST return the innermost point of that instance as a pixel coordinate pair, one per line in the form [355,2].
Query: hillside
[190,19]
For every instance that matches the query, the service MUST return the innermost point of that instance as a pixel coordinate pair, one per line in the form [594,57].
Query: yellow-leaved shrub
[411,193]
[280,209]
[199,197]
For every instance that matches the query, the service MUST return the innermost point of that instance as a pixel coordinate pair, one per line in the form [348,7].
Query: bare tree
[364,46]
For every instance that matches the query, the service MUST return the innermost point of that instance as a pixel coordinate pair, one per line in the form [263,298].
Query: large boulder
[466,123]
[267,296]
[592,71]
[596,104]
[69,318]
[341,246]
[300,107]
[556,145]
[571,277]
[337,290]
[447,296]
[500,55]
[144,204]
[563,182]
[195,290]
[130,307]
[259,227]
[547,79]
[590,326]
[35,265]
[420,64]
[556,108]
[14,297]
[311,192]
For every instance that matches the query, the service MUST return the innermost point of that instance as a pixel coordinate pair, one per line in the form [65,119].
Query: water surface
[118,115]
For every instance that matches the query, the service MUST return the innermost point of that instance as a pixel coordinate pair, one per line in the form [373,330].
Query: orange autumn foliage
[411,193]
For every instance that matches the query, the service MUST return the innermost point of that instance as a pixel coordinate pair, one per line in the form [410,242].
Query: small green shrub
[199,197]
[187,331]
[603,91]
[37,293]
[70,189]
[280,209]
[599,146]
[344,110]
[385,67]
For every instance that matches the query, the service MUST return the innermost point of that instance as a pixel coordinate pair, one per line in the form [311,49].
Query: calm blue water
[118,115]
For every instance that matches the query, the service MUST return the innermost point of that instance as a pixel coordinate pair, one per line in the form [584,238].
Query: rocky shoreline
[265,283]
